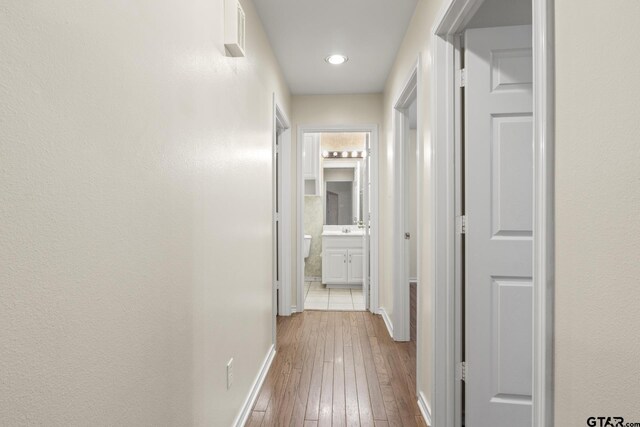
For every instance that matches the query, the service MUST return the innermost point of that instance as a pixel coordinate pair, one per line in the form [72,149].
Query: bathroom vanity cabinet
[342,260]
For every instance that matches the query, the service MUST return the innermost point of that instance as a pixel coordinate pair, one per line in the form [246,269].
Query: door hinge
[462,77]
[462,371]
[462,224]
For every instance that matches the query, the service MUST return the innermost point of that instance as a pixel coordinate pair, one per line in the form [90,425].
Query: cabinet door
[334,266]
[356,266]
[310,162]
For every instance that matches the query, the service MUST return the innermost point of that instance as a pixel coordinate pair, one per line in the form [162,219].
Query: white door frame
[452,19]
[373,237]
[283,305]
[409,93]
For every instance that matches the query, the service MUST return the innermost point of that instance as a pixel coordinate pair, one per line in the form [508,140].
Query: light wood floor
[338,369]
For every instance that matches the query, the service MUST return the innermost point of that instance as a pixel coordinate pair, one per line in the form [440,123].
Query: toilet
[307,245]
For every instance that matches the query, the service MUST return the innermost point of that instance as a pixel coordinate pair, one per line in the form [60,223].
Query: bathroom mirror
[342,198]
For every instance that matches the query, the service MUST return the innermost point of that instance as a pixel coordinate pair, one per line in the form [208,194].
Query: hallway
[339,369]
[211,212]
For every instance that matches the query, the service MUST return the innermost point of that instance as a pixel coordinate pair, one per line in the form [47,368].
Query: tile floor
[318,297]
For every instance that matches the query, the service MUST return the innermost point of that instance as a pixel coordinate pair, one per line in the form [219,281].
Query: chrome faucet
[358,222]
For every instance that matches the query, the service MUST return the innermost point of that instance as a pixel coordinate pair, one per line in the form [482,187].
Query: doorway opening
[335,175]
[493,172]
[337,219]
[406,230]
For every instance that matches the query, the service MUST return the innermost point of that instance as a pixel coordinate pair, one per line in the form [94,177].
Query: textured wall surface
[313,226]
[135,183]
[597,211]
[416,42]
[339,141]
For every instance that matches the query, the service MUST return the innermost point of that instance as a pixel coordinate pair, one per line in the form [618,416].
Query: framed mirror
[342,195]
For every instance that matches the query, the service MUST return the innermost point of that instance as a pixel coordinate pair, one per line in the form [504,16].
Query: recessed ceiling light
[336,59]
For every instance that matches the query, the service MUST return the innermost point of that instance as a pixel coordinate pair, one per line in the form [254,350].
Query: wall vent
[234,28]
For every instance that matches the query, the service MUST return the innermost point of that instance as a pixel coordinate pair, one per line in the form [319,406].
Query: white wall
[417,41]
[597,204]
[326,110]
[597,211]
[126,138]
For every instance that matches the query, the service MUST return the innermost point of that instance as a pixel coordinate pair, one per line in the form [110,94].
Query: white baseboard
[387,321]
[294,309]
[424,408]
[413,280]
[243,416]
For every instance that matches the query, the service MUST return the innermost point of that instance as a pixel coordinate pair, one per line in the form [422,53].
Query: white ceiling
[304,32]
[500,13]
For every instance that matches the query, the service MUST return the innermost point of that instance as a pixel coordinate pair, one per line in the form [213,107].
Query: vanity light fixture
[336,59]
[343,154]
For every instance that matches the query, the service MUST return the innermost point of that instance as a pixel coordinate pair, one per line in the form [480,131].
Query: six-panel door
[498,246]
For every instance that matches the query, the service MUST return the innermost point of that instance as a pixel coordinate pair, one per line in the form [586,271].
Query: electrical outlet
[229,373]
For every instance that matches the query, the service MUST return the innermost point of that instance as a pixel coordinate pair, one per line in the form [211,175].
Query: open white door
[366,220]
[277,217]
[281,216]
[499,211]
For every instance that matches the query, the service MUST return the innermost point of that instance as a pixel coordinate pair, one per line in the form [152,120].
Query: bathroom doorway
[337,219]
